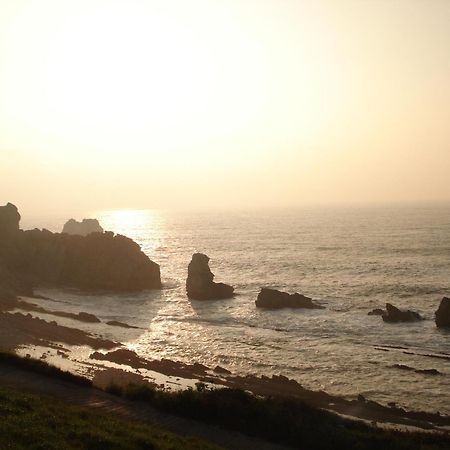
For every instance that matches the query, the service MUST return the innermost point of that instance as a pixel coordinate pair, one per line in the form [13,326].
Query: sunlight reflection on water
[145,226]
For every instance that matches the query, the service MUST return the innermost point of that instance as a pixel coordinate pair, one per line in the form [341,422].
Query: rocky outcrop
[200,284]
[9,220]
[393,314]
[98,261]
[273,299]
[83,228]
[442,315]
[12,285]
[376,312]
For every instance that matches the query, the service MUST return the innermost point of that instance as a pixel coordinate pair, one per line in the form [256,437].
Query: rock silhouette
[200,284]
[274,299]
[9,220]
[393,314]
[83,228]
[442,316]
[98,261]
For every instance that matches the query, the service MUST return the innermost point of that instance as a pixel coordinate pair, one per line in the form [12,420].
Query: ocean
[350,260]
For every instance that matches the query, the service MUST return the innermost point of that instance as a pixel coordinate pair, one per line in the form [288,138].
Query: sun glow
[116,75]
[185,104]
[136,224]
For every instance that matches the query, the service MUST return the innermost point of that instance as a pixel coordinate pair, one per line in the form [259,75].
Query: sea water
[350,260]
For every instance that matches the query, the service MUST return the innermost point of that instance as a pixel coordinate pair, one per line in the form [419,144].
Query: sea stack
[442,316]
[83,228]
[273,299]
[200,284]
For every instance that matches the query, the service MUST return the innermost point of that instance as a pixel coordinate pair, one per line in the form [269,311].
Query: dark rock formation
[394,314]
[273,299]
[221,370]
[11,284]
[9,220]
[442,316]
[115,323]
[421,371]
[200,284]
[98,261]
[376,312]
[87,226]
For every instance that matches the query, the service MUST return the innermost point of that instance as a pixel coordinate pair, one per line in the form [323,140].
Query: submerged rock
[273,299]
[393,314]
[200,284]
[83,228]
[442,315]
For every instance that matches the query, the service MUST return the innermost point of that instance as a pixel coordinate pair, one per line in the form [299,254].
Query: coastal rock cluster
[200,284]
[87,258]
[97,261]
[273,299]
[83,228]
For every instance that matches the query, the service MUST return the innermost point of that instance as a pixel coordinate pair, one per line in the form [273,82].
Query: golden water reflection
[145,226]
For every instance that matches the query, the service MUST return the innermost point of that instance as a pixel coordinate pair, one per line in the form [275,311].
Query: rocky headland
[97,261]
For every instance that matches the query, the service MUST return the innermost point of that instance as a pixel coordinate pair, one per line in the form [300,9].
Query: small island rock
[200,284]
[442,316]
[83,228]
[393,314]
[273,299]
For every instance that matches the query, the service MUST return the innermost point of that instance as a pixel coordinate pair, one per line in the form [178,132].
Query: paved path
[36,383]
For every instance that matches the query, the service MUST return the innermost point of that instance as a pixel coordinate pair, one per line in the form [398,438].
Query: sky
[228,103]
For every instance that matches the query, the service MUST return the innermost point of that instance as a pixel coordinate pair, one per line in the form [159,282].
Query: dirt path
[35,383]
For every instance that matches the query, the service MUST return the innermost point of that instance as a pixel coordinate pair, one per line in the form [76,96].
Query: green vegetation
[33,422]
[35,365]
[284,421]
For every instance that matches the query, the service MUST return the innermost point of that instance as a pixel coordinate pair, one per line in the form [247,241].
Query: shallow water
[351,260]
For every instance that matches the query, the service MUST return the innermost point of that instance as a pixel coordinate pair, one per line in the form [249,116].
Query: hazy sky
[175,103]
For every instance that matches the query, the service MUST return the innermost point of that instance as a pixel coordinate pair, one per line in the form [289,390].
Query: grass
[284,421]
[38,423]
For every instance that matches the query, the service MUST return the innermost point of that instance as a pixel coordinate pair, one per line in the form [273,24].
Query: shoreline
[121,366]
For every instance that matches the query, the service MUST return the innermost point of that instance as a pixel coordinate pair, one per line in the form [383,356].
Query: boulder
[83,228]
[393,314]
[376,312]
[9,220]
[273,299]
[442,315]
[200,284]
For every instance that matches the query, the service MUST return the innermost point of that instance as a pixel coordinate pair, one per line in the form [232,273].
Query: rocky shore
[95,260]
